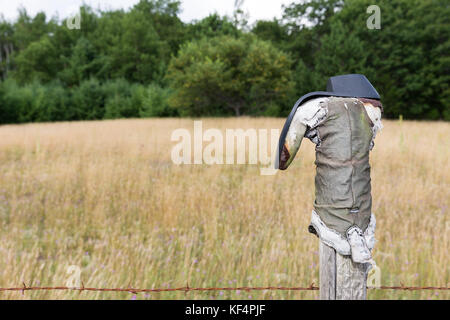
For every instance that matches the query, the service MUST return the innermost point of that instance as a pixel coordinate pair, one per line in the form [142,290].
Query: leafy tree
[82,64]
[39,61]
[29,43]
[225,74]
[306,23]
[240,17]
[212,26]
[129,46]
[311,13]
[409,55]
[74,41]
[341,52]
[28,30]
[6,47]
[272,31]
[164,17]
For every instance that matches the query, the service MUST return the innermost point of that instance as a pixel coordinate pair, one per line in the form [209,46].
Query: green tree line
[146,62]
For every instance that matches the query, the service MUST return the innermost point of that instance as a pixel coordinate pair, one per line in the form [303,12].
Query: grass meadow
[106,197]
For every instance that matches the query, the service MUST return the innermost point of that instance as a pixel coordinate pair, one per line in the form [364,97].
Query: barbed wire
[188,289]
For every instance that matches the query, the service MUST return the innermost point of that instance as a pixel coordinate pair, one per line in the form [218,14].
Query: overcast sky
[191,9]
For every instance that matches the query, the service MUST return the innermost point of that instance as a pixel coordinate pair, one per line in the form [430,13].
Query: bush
[9,113]
[155,102]
[91,100]
[88,101]
[122,99]
[50,103]
[33,102]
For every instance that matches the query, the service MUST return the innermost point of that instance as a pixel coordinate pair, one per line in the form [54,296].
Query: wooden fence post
[340,277]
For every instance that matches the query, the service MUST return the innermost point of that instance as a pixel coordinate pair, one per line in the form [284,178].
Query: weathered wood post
[340,277]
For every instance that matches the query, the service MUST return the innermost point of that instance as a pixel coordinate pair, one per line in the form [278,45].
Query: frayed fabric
[374,113]
[337,241]
[358,245]
[312,113]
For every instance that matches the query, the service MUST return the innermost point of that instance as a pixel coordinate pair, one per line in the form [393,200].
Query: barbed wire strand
[188,289]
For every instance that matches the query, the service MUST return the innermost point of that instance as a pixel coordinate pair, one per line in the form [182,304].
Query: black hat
[353,85]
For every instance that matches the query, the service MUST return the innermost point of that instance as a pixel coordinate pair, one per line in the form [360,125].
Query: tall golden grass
[105,196]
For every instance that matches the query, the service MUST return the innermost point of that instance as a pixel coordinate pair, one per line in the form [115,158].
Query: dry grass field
[105,196]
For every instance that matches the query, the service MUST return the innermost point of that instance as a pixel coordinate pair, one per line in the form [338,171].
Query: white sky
[191,9]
